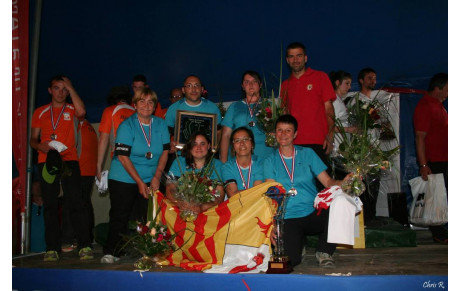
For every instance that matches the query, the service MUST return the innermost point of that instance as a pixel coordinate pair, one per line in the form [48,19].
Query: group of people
[142,138]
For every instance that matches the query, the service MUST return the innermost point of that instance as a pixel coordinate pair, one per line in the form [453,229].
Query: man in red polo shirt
[56,122]
[308,95]
[430,123]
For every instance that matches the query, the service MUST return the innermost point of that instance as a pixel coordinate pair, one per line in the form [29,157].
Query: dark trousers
[68,233]
[73,196]
[369,196]
[295,230]
[439,231]
[124,197]
[318,148]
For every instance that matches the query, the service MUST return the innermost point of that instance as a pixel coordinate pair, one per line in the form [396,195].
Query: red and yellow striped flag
[225,236]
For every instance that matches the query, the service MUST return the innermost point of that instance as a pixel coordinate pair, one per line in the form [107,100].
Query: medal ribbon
[143,131]
[290,174]
[246,186]
[59,117]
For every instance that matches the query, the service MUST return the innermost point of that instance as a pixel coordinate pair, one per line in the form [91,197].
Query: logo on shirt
[66,116]
[309,87]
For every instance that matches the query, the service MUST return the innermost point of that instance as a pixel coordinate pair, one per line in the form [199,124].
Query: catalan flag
[231,237]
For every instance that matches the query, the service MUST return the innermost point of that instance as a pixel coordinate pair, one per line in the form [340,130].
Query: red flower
[269,112]
[142,229]
[160,237]
[373,113]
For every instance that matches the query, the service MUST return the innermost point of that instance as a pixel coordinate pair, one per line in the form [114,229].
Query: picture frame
[189,122]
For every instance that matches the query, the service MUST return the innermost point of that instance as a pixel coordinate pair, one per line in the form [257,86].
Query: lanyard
[291,173]
[148,140]
[59,117]
[246,186]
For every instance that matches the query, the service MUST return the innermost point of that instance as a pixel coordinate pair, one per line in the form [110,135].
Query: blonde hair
[146,92]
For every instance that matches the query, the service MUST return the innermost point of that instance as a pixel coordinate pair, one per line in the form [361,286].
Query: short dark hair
[56,78]
[253,74]
[248,131]
[364,72]
[187,150]
[437,81]
[185,79]
[117,94]
[340,76]
[140,78]
[289,119]
[295,45]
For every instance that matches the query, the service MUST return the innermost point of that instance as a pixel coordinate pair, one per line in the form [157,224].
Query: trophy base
[279,265]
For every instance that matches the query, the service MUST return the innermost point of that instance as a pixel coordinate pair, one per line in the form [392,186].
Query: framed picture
[189,122]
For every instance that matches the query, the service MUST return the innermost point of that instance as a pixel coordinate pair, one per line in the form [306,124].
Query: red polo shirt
[305,98]
[430,116]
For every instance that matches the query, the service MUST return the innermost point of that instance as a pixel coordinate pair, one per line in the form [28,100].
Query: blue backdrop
[100,44]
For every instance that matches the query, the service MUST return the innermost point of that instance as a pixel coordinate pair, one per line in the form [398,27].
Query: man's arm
[101,149]
[80,110]
[421,156]
[35,141]
[330,117]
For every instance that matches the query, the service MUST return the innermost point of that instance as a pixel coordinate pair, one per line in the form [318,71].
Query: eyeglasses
[190,86]
[244,140]
[176,96]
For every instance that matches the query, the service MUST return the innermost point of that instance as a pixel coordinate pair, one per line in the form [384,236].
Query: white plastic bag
[429,206]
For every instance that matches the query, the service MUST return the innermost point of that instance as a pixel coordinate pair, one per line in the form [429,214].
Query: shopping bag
[429,206]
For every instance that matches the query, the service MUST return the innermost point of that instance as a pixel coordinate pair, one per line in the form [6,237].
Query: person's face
[285,134]
[250,85]
[58,91]
[344,87]
[242,143]
[296,59]
[200,147]
[138,86]
[443,93]
[145,106]
[176,95]
[369,81]
[192,89]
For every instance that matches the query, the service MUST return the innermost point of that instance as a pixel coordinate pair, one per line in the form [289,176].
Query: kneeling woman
[296,168]
[196,156]
[243,171]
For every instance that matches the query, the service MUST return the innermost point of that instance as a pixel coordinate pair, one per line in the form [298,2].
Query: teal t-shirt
[307,167]
[230,172]
[130,133]
[177,170]
[238,115]
[205,106]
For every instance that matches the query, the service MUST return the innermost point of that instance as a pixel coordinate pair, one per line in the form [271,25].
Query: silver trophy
[279,262]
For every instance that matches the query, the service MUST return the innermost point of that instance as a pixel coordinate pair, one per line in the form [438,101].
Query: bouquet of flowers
[192,189]
[269,111]
[361,152]
[150,239]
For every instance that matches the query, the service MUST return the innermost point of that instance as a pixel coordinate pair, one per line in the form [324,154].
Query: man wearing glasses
[193,101]
[176,95]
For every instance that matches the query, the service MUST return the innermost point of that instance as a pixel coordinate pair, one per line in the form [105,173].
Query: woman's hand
[155,184]
[143,190]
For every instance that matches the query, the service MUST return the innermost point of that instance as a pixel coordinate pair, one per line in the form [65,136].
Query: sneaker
[66,248]
[109,259]
[86,254]
[325,260]
[51,256]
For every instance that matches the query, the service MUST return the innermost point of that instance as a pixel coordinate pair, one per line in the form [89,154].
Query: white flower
[210,188]
[365,106]
[153,232]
